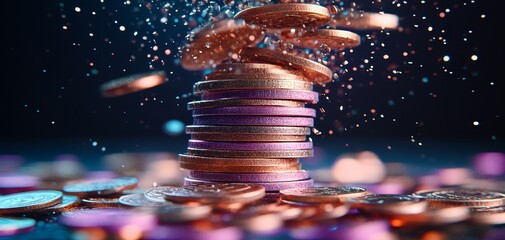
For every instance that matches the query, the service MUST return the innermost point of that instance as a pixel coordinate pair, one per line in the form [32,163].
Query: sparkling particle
[122,28]
[446,58]
[476,123]
[173,127]
[77,9]
[474,57]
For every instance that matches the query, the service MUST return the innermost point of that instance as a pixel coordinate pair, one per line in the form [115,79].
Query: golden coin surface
[361,20]
[217,85]
[207,129]
[216,42]
[318,38]
[132,83]
[192,159]
[289,15]
[314,71]
[252,154]
[249,137]
[389,203]
[225,102]
[29,201]
[212,193]
[322,194]
[239,169]
[462,197]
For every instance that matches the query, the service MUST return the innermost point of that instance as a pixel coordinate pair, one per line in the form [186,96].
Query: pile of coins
[251,124]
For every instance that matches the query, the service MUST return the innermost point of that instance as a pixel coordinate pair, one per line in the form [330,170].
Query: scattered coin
[362,20]
[462,197]
[101,187]
[389,203]
[100,202]
[132,83]
[12,226]
[322,194]
[140,200]
[29,201]
[213,193]
[317,38]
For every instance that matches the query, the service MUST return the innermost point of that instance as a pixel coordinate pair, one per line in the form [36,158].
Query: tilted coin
[362,20]
[322,194]
[29,201]
[132,83]
[216,42]
[285,15]
[101,187]
[314,71]
[317,38]
[11,226]
[389,203]
[462,196]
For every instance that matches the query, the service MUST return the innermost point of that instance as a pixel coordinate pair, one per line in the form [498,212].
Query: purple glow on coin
[249,177]
[257,146]
[269,186]
[256,110]
[301,95]
[369,230]
[490,164]
[14,183]
[168,232]
[108,218]
[255,121]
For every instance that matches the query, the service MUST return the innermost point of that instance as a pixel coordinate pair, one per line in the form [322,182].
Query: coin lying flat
[432,216]
[212,193]
[216,42]
[237,161]
[250,177]
[12,226]
[322,194]
[298,95]
[29,201]
[462,197]
[275,130]
[287,15]
[249,138]
[252,154]
[389,203]
[140,200]
[314,71]
[132,83]
[253,146]
[156,194]
[226,102]
[179,213]
[68,202]
[316,38]
[239,168]
[491,215]
[219,85]
[98,188]
[100,202]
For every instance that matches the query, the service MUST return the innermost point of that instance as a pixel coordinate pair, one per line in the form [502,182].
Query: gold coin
[462,197]
[192,159]
[224,102]
[239,169]
[249,138]
[314,71]
[216,42]
[316,38]
[216,85]
[132,83]
[322,194]
[262,130]
[288,15]
[215,193]
[361,20]
[252,154]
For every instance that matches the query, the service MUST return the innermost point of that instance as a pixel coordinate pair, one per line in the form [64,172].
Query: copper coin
[227,69]
[217,85]
[316,38]
[273,74]
[314,71]
[225,102]
[213,193]
[288,15]
[260,130]
[389,203]
[249,137]
[252,154]
[216,42]
[100,202]
[29,201]
[68,202]
[192,159]
[100,188]
[361,20]
[132,83]
[488,215]
[462,197]
[239,169]
[322,194]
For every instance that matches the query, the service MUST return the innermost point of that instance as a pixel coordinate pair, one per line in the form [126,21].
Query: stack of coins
[251,124]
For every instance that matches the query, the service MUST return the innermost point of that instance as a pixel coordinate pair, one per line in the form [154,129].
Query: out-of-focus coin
[156,194]
[225,102]
[219,85]
[288,15]
[140,200]
[269,186]
[250,177]
[255,121]
[432,216]
[256,110]
[252,154]
[314,71]
[178,213]
[100,202]
[316,38]
[132,83]
[68,202]
[237,161]
[216,193]
[297,95]
[240,168]
[361,20]
[322,194]
[29,201]
[389,203]
[251,146]
[261,130]
[216,42]
[249,138]
[462,197]
[14,183]
[100,187]
[12,226]
[488,215]
[110,219]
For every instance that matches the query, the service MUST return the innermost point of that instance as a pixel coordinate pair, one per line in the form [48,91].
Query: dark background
[51,75]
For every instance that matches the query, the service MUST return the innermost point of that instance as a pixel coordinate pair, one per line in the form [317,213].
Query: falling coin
[29,201]
[361,20]
[216,42]
[288,15]
[316,38]
[132,83]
